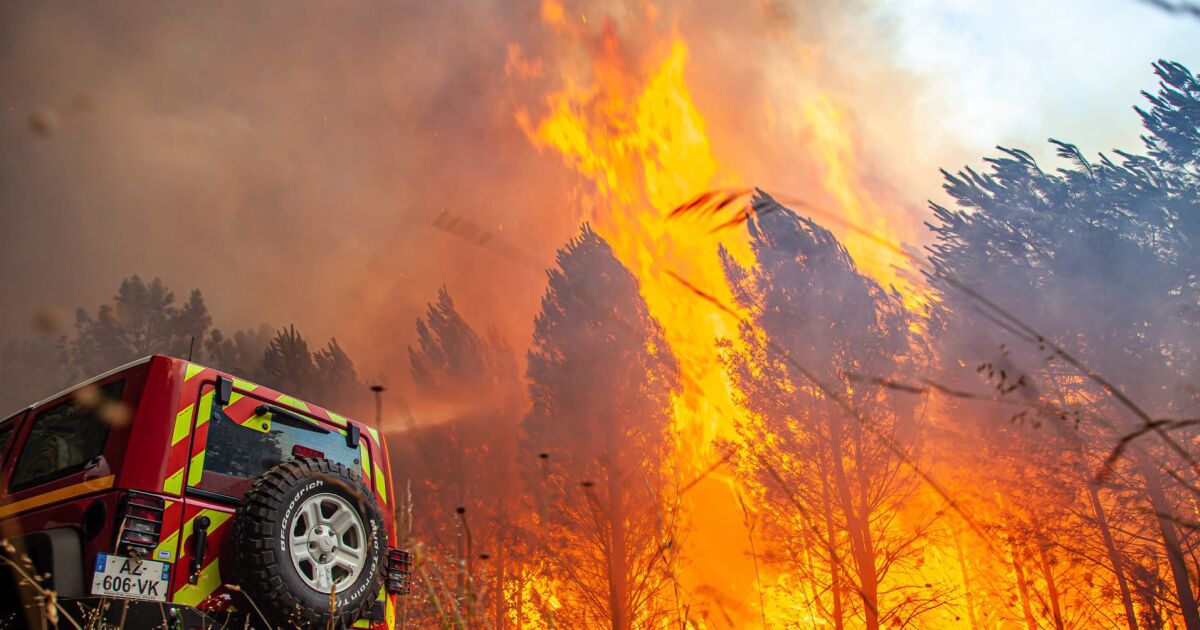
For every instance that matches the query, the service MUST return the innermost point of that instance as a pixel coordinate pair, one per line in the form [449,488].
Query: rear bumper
[129,613]
[96,612]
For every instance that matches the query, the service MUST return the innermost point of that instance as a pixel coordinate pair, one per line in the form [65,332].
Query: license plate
[132,578]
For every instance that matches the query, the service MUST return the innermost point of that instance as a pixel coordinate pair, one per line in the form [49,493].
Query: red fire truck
[168,494]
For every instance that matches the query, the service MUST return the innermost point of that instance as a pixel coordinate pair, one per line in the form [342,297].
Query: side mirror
[96,468]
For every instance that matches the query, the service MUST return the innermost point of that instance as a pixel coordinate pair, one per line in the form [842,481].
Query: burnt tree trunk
[858,530]
[520,603]
[1113,556]
[835,571]
[498,592]
[1022,587]
[1171,545]
[617,572]
[1051,586]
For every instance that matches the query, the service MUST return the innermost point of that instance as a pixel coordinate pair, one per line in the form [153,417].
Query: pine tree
[241,353]
[832,485]
[287,364]
[326,377]
[463,467]
[142,320]
[336,381]
[1174,117]
[450,352]
[1099,258]
[601,377]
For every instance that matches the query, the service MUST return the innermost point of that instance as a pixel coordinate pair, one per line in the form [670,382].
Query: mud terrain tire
[276,524]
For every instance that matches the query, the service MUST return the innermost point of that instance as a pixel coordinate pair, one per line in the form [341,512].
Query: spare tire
[309,543]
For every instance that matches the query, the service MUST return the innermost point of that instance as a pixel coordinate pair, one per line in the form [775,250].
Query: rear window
[236,454]
[64,438]
[5,434]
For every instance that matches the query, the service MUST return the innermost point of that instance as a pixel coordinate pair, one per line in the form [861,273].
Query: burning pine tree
[461,471]
[601,376]
[1096,269]
[831,486]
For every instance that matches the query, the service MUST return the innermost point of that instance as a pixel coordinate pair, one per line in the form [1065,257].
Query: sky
[293,164]
[1015,73]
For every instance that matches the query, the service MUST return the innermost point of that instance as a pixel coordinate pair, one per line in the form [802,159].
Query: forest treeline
[145,318]
[1019,450]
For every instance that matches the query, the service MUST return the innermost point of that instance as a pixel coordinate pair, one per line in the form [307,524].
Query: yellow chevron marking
[205,411]
[174,483]
[262,424]
[337,419]
[192,370]
[380,484]
[196,468]
[245,386]
[207,582]
[389,615]
[210,575]
[290,401]
[166,544]
[62,494]
[362,623]
[183,424]
[373,433]
[216,518]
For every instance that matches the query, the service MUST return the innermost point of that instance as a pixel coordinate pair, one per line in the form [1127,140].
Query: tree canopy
[601,376]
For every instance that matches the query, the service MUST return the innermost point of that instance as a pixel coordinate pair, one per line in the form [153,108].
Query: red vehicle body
[143,449]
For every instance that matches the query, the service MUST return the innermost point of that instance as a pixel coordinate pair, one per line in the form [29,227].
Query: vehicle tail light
[304,451]
[139,521]
[399,565]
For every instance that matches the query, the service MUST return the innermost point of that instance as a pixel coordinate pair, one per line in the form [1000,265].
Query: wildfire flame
[629,126]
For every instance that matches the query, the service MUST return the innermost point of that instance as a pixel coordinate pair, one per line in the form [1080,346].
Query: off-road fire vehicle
[165,493]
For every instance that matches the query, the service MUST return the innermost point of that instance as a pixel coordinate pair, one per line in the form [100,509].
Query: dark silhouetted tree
[336,381]
[833,488]
[288,364]
[1099,258]
[466,461]
[326,377]
[241,353]
[142,320]
[1173,118]
[449,352]
[601,377]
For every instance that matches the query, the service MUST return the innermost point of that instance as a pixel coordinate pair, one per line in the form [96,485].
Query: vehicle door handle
[95,468]
[201,541]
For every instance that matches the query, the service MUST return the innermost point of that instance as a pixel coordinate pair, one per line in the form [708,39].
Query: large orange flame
[627,124]
[643,145]
[630,127]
